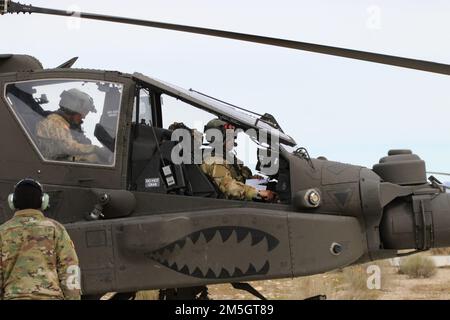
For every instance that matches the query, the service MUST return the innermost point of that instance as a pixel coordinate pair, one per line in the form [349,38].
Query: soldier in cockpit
[60,134]
[230,177]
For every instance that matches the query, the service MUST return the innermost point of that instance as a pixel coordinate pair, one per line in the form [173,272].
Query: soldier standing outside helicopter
[37,257]
[230,177]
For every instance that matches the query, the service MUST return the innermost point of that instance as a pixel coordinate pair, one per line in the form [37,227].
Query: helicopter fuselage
[133,232]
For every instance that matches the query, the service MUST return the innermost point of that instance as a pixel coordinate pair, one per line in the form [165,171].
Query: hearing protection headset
[45,200]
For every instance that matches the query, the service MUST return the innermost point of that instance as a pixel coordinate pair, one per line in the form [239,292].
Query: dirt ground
[348,284]
[345,284]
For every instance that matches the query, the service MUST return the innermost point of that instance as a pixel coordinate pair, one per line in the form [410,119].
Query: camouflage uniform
[230,178]
[59,142]
[37,259]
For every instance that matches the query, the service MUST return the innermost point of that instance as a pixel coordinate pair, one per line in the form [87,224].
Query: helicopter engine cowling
[415,214]
[395,205]
[417,222]
[401,167]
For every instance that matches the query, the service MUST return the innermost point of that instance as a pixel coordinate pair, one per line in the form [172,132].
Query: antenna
[439,173]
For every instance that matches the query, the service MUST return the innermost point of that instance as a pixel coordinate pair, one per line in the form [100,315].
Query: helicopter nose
[421,222]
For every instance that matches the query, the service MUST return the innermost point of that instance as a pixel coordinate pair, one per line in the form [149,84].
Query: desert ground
[345,284]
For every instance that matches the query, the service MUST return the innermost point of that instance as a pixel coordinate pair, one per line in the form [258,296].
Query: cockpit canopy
[224,111]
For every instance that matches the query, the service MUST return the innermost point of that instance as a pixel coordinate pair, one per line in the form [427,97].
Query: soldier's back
[29,261]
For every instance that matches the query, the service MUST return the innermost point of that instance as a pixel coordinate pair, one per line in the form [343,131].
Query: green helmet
[219,125]
[215,124]
[77,101]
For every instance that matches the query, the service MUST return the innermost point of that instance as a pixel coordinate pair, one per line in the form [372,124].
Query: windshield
[244,120]
[69,120]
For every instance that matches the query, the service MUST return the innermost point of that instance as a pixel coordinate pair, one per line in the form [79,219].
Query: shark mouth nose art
[200,254]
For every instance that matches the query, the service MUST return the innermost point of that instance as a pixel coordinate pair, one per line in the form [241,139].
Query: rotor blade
[13,7]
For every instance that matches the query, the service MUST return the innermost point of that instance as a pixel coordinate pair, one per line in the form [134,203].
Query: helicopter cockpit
[152,144]
[153,168]
[91,141]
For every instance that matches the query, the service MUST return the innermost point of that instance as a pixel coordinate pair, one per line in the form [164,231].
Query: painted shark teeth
[225,233]
[224,274]
[199,254]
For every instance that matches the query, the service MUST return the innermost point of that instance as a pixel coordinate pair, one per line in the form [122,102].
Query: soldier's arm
[70,145]
[230,187]
[67,144]
[68,266]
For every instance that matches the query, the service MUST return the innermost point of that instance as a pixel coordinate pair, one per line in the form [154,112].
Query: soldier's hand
[257,176]
[267,195]
[103,153]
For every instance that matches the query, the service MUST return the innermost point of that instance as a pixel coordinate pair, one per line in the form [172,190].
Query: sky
[346,110]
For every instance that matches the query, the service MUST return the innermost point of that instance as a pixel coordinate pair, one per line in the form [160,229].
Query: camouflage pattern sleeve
[70,145]
[67,266]
[232,188]
[59,131]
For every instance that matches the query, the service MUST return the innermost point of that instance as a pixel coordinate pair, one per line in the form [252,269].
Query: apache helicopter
[137,227]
